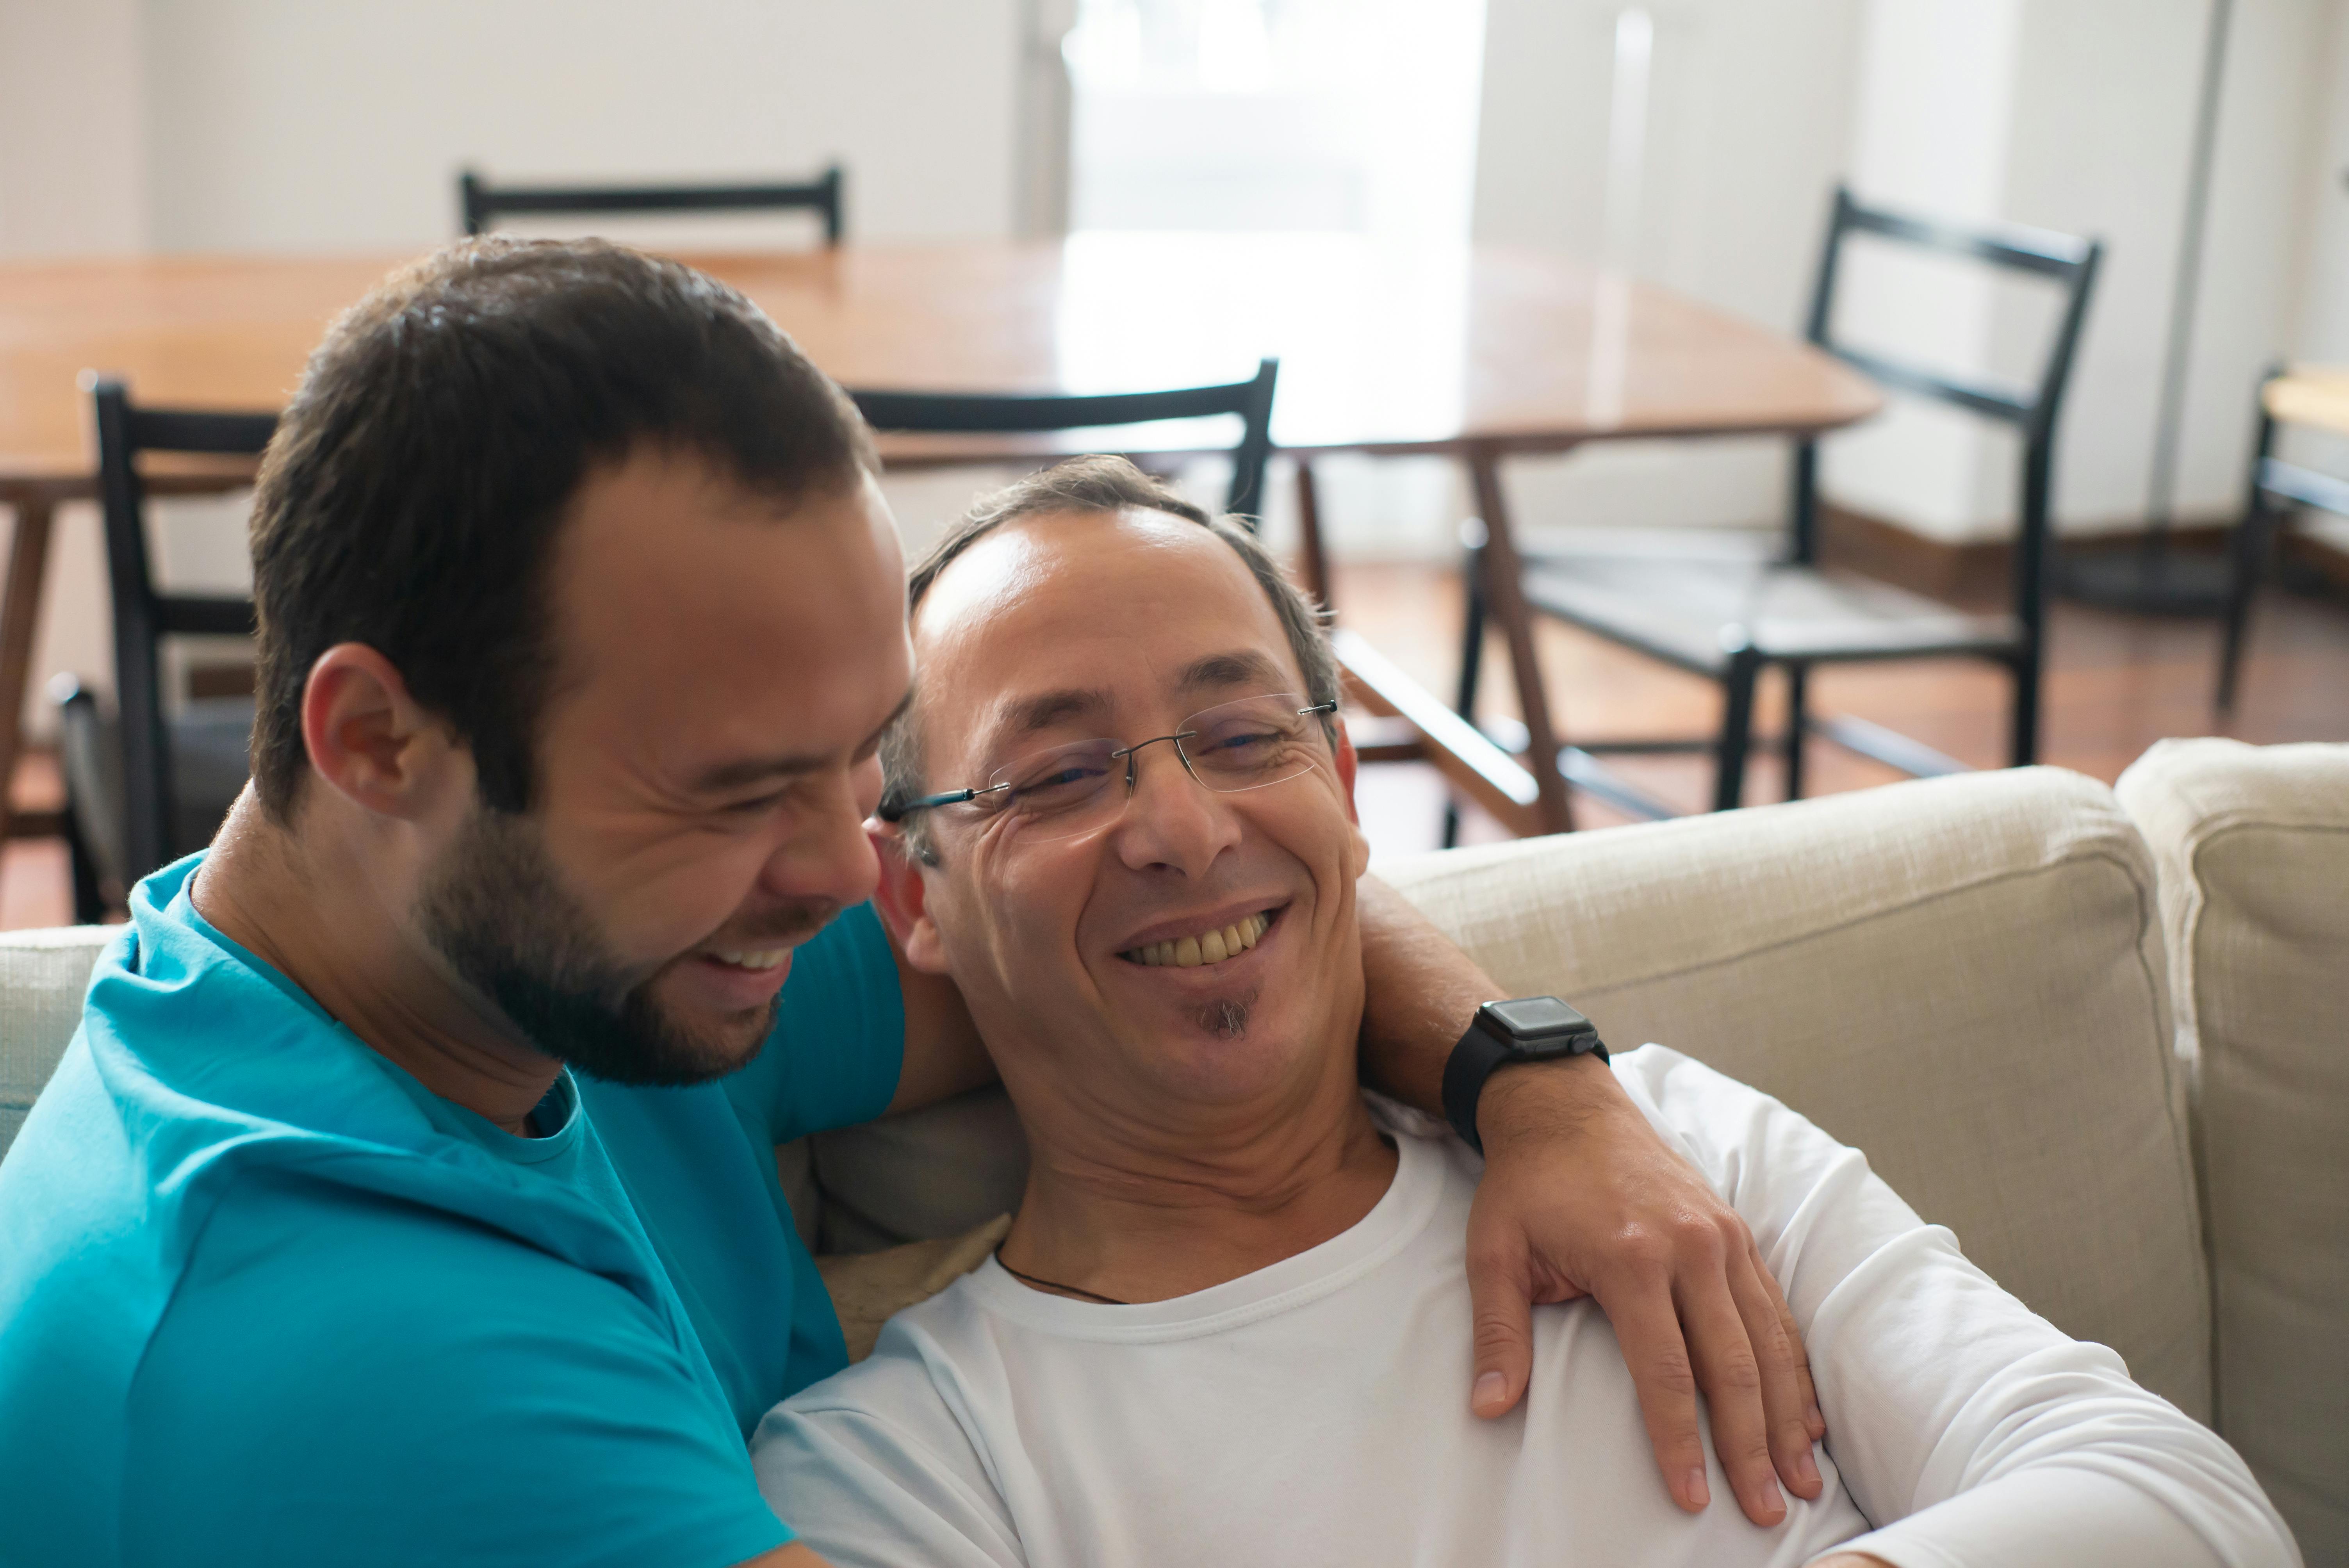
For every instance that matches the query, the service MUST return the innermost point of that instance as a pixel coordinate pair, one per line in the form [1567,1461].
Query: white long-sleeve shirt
[1316,1411]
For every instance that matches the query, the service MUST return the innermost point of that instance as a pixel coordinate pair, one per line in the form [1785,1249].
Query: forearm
[1420,991]
[2061,1516]
[1971,1429]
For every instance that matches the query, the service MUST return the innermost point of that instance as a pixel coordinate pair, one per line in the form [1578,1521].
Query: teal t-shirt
[266,1300]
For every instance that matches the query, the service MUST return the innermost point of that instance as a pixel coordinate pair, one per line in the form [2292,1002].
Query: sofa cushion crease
[2253,845]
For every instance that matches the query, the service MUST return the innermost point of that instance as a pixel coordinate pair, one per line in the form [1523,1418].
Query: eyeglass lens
[1234,746]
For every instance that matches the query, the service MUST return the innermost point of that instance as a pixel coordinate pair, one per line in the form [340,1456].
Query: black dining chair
[1007,414]
[482,203]
[1728,604]
[179,768]
[2312,398]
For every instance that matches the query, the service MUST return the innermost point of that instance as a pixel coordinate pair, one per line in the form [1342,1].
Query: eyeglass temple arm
[889,812]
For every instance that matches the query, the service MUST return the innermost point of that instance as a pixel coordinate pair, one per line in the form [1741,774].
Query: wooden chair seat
[2316,396]
[1694,597]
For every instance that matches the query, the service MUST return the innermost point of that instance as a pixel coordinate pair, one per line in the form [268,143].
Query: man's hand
[1580,1197]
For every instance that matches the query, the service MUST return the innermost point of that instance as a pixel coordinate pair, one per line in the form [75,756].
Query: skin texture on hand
[1580,1197]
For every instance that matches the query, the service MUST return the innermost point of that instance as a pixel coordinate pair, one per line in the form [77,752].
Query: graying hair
[1096,487]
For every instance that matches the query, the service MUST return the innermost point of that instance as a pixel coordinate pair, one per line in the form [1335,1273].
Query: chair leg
[1308,529]
[2247,561]
[2247,568]
[1798,719]
[1471,660]
[2023,743]
[1471,632]
[1736,729]
[88,897]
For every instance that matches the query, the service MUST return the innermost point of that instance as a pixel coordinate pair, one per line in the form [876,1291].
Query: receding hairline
[1173,524]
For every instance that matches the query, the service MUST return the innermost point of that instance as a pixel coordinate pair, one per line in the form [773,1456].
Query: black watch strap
[1525,1030]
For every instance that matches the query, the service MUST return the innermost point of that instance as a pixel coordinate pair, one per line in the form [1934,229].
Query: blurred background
[1689,144]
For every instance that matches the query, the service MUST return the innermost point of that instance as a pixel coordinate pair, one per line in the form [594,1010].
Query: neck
[1151,1216]
[313,904]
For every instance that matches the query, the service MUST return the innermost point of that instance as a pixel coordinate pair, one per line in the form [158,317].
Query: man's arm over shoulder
[1968,1429]
[356,1380]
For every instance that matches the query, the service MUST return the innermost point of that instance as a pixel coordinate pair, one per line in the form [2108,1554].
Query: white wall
[2094,104]
[293,125]
[1747,126]
[73,177]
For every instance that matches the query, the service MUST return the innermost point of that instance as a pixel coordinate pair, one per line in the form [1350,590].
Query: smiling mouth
[1210,946]
[750,958]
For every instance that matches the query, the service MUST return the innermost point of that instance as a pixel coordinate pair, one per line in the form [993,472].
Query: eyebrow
[1028,714]
[1245,668]
[1044,710]
[746,770]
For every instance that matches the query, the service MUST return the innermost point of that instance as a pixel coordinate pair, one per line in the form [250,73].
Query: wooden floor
[2115,684]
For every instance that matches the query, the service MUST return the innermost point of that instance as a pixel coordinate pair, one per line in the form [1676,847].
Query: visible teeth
[1207,947]
[754,959]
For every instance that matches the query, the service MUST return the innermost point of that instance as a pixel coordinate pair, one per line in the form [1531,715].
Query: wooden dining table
[1472,351]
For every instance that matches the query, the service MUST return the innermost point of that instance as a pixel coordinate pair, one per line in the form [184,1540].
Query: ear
[902,899]
[1348,765]
[367,738]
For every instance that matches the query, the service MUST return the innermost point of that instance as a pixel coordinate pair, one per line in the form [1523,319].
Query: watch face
[1538,1018]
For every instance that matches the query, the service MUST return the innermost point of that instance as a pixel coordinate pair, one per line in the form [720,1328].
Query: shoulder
[305,1294]
[405,1375]
[889,1461]
[896,1446]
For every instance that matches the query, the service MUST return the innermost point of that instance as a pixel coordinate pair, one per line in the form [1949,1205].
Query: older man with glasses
[1230,1318]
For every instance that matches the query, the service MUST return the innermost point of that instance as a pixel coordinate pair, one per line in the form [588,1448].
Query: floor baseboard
[1976,573]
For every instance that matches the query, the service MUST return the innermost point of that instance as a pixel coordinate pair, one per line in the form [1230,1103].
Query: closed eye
[756,806]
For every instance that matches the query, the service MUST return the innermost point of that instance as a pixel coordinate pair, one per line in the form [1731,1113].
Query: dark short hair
[1092,487]
[412,497]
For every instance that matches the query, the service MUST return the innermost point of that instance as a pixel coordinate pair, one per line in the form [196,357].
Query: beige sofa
[1970,978]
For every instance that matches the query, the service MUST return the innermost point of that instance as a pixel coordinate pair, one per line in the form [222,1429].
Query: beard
[497,909]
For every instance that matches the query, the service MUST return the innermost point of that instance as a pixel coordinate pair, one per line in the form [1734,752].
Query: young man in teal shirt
[408,1192]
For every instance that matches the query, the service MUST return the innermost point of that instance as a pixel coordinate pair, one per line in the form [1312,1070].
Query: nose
[1171,819]
[827,854]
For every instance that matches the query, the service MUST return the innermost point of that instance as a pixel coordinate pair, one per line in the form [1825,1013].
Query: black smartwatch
[1528,1029]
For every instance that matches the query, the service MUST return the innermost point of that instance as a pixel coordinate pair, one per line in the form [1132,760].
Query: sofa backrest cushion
[43,975]
[2253,848]
[1964,978]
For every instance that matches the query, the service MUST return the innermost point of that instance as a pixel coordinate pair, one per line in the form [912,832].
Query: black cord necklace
[1056,1284]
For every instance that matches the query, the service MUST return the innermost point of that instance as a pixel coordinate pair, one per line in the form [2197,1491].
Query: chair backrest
[481,202]
[990,413]
[144,615]
[2069,264]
